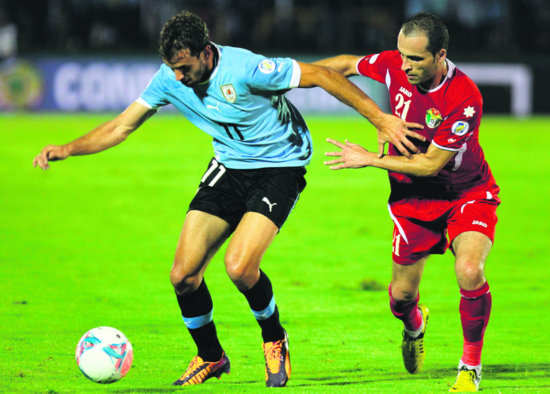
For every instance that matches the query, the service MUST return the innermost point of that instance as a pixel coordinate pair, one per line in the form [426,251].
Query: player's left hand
[351,156]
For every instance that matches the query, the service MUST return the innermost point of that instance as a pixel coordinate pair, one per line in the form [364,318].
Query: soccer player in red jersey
[443,196]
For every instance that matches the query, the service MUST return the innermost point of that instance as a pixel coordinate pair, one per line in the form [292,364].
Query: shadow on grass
[368,375]
[360,376]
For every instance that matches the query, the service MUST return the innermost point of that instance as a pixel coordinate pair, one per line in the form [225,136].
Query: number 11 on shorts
[213,166]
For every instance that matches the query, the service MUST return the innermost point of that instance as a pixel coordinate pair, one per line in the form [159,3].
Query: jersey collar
[450,71]
[219,53]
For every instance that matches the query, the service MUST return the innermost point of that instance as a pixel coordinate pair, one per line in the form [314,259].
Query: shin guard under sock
[196,310]
[407,312]
[475,309]
[262,303]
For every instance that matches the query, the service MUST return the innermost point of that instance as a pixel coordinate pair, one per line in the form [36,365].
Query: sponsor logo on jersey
[229,93]
[460,127]
[433,118]
[405,92]
[479,223]
[267,66]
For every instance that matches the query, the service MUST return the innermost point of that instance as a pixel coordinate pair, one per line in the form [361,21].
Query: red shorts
[423,227]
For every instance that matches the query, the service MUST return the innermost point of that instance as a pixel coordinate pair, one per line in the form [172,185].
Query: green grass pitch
[91,241]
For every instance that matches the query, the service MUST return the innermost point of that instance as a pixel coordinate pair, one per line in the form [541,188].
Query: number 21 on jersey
[402,106]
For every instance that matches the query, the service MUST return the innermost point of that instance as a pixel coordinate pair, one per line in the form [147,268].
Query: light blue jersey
[241,106]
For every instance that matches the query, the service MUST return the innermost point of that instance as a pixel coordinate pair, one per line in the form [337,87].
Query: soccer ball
[104,354]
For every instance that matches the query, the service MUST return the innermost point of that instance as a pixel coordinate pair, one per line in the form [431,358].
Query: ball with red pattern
[104,354]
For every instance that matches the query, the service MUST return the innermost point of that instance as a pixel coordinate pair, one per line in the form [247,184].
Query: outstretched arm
[343,64]
[355,156]
[390,128]
[105,136]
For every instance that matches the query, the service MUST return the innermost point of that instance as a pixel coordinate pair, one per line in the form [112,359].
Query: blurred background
[98,55]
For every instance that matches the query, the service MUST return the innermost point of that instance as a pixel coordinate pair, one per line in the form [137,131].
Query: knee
[470,275]
[243,274]
[403,291]
[184,282]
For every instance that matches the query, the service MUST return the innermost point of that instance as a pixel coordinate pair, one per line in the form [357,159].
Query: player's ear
[207,52]
[442,54]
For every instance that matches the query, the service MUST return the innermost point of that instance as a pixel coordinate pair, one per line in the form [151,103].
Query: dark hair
[184,30]
[433,26]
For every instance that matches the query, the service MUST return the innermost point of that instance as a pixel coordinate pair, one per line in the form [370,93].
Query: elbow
[335,73]
[119,134]
[423,168]
[338,70]
[422,165]
[428,171]
[121,131]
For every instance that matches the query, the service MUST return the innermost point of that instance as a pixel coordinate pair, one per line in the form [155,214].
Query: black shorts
[230,193]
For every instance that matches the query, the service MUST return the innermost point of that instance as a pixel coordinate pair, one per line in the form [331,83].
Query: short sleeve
[154,94]
[376,66]
[459,125]
[273,74]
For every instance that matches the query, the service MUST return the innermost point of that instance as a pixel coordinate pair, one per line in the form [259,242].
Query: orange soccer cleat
[199,371]
[277,362]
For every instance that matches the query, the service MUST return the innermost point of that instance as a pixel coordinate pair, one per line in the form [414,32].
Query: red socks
[475,308]
[407,312]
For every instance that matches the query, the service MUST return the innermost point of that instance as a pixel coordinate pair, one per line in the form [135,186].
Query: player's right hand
[395,131]
[50,153]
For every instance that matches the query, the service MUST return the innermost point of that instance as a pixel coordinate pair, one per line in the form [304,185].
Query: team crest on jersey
[433,118]
[460,127]
[229,93]
[267,66]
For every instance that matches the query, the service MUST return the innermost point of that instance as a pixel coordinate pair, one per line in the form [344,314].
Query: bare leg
[200,238]
[251,239]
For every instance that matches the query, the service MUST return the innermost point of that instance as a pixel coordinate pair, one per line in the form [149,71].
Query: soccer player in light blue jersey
[261,147]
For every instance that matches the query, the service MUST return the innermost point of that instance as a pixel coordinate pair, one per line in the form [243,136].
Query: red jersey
[451,114]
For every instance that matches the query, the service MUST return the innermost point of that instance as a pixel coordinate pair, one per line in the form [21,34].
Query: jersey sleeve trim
[357,65]
[296,75]
[145,103]
[445,147]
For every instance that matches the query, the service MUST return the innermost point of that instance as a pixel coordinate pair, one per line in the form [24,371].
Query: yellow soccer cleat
[200,371]
[277,362]
[413,348]
[468,379]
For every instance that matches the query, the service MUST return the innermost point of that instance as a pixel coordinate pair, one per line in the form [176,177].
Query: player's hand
[50,153]
[351,156]
[395,131]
